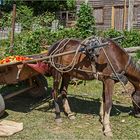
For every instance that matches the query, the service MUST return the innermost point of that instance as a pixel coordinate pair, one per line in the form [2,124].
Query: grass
[39,121]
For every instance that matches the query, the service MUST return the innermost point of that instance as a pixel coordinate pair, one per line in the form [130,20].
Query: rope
[71,66]
[114,70]
[118,76]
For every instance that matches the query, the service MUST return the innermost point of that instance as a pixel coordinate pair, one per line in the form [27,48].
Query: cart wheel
[41,87]
[2,105]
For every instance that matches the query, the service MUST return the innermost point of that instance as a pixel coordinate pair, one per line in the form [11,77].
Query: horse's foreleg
[63,89]
[56,81]
[107,100]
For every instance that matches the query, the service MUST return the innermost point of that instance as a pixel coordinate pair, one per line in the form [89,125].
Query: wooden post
[13,28]
[124,15]
[86,1]
[130,14]
[112,18]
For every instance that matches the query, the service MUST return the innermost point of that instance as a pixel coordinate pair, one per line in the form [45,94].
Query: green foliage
[25,16]
[39,7]
[43,20]
[60,34]
[5,21]
[26,43]
[30,42]
[138,55]
[111,33]
[131,38]
[71,4]
[85,20]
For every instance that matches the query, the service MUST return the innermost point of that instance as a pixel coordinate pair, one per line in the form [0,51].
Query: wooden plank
[125,14]
[130,14]
[112,18]
[133,49]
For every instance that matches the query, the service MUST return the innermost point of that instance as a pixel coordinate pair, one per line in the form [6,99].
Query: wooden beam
[124,15]
[132,49]
[130,14]
[86,1]
[112,18]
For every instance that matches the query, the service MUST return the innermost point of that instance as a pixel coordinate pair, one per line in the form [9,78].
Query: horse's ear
[110,41]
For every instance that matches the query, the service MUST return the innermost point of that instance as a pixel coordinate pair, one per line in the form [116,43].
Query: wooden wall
[119,11]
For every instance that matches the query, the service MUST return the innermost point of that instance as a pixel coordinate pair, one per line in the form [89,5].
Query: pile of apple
[16,58]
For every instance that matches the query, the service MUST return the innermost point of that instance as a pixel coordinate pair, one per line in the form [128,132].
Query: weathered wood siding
[119,11]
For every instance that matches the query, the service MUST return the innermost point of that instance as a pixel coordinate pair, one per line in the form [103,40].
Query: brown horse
[89,65]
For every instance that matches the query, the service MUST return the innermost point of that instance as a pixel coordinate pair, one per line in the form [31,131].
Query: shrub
[85,21]
[26,43]
[131,38]
[111,33]
[25,16]
[6,20]
[43,20]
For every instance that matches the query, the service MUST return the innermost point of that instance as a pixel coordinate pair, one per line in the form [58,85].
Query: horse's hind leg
[56,82]
[63,90]
[107,100]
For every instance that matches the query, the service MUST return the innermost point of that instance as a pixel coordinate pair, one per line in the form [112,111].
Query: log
[132,49]
[132,54]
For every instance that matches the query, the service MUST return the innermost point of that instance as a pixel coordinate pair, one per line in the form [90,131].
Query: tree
[86,20]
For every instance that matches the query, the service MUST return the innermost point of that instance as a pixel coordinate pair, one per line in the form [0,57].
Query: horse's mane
[53,46]
[118,46]
[133,62]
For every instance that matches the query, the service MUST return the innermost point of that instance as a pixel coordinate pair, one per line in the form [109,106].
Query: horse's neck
[133,74]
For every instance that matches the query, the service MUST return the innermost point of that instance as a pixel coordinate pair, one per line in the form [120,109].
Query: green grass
[39,122]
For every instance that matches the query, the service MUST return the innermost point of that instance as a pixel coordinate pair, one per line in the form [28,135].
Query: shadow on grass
[77,104]
[25,103]
[85,106]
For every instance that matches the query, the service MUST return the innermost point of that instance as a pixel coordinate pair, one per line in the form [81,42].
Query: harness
[91,48]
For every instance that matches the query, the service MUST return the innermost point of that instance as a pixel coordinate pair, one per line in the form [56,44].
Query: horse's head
[136,102]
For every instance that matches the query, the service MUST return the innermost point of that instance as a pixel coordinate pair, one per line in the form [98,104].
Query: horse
[105,64]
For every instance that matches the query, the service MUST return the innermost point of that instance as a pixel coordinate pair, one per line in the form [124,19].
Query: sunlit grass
[84,101]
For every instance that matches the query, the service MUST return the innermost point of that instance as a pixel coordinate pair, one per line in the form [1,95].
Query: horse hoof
[137,115]
[58,120]
[71,117]
[108,134]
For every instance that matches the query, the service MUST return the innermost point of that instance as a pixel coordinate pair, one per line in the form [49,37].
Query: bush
[6,20]
[30,42]
[25,16]
[43,20]
[111,33]
[85,21]
[131,38]
[26,43]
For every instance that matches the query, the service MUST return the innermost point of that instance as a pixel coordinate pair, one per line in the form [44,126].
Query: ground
[39,124]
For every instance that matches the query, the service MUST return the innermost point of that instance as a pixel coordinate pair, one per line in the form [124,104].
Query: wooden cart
[15,72]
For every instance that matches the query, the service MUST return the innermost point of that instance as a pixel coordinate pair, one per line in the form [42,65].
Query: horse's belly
[82,75]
